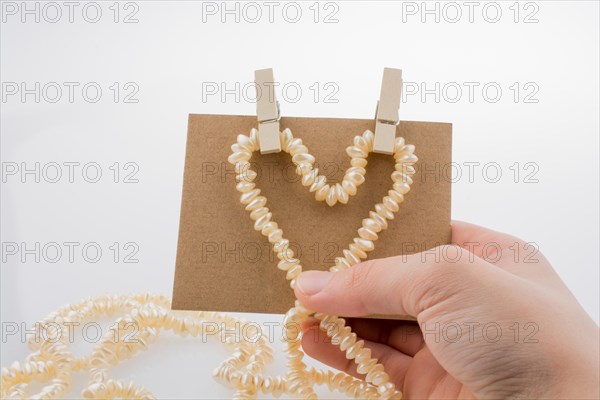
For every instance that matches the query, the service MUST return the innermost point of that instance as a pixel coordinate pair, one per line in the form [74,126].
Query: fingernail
[312,282]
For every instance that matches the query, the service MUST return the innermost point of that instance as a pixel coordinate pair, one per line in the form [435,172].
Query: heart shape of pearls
[299,383]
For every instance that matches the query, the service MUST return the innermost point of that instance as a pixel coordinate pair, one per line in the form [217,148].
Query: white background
[175,51]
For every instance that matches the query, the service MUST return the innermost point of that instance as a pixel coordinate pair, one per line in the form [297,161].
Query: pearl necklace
[53,364]
[341,335]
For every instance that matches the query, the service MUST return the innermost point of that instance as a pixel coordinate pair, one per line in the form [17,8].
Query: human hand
[490,323]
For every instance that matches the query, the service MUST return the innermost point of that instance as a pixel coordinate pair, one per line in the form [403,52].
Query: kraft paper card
[223,264]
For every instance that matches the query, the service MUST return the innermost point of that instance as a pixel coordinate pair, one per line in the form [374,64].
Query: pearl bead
[302,158]
[359,162]
[349,187]
[293,272]
[299,149]
[285,265]
[365,366]
[341,194]
[364,355]
[258,225]
[407,169]
[320,181]
[371,224]
[356,178]
[356,152]
[406,149]
[358,170]
[357,251]
[373,372]
[241,167]
[241,156]
[407,159]
[245,142]
[390,204]
[309,178]
[275,236]
[351,257]
[348,341]
[331,197]
[286,254]
[366,233]
[268,228]
[321,194]
[281,246]
[255,203]
[384,212]
[246,176]
[379,219]
[259,212]
[245,186]
[339,334]
[365,245]
[388,391]
[369,138]
[285,137]
[303,168]
[380,378]
[292,143]
[398,143]
[236,148]
[400,176]
[361,143]
[353,350]
[401,187]
[396,196]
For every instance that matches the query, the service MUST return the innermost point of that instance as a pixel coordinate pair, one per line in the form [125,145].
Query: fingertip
[310,283]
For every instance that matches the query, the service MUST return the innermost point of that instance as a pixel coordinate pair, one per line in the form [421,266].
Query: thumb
[404,285]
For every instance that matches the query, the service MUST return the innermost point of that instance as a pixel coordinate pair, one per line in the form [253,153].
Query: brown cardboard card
[223,264]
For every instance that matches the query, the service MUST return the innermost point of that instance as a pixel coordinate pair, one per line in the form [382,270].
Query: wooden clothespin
[387,117]
[267,110]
